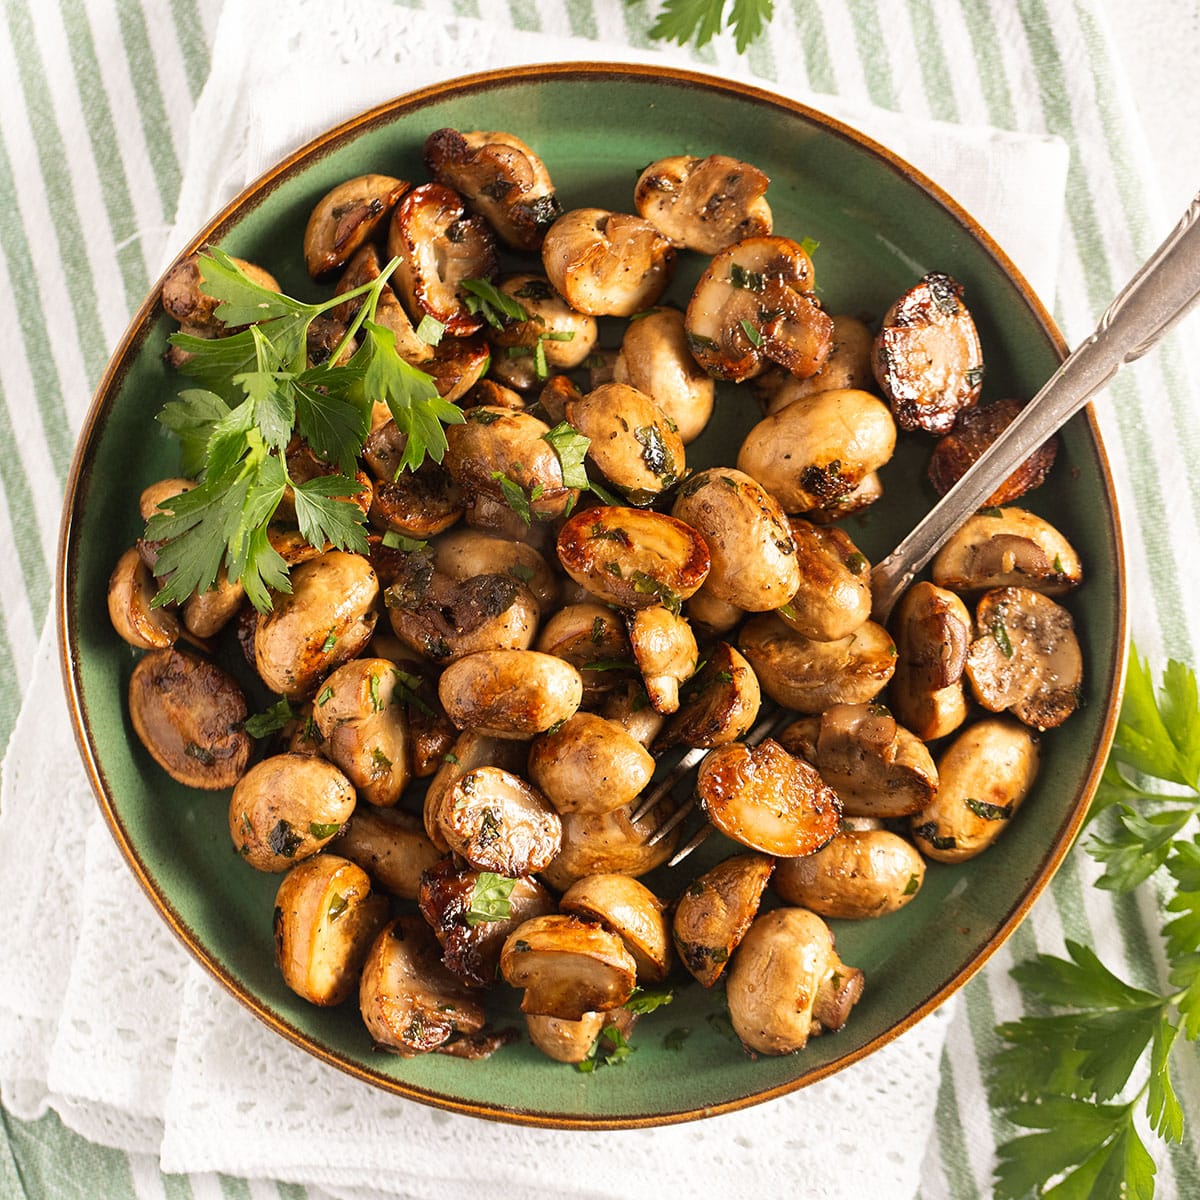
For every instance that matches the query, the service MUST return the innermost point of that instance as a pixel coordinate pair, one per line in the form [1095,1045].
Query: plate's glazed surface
[880,226]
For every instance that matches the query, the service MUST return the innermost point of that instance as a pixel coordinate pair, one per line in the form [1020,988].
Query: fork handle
[1159,294]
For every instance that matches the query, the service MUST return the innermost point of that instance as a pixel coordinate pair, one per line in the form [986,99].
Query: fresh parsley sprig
[1065,1074]
[255,393]
[700,21]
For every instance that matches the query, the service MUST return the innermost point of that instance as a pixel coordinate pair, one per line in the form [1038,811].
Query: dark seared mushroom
[345,218]
[131,590]
[717,705]
[362,268]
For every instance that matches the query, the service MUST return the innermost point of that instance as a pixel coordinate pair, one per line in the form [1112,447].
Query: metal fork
[1161,293]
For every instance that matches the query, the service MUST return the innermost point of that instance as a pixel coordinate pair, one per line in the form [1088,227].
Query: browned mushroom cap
[862,495]
[847,366]
[834,595]
[810,676]
[632,441]
[704,204]
[205,614]
[567,967]
[592,638]
[472,932]
[754,305]
[470,750]
[510,693]
[188,713]
[457,365]
[1007,547]
[975,430]
[286,808]
[928,362]
[498,822]
[753,556]
[466,553]
[711,615]
[629,909]
[551,337]
[325,921]
[605,263]
[410,1003]
[439,246]
[346,217]
[324,621]
[417,504]
[131,591]
[391,846]
[154,498]
[446,621]
[184,299]
[767,799]
[665,651]
[718,705]
[633,558]
[504,454]
[654,358]
[566,1041]
[816,452]
[1025,657]
[364,267]
[787,983]
[589,765]
[501,178]
[714,912]
[628,706]
[862,873]
[877,768]
[932,629]
[599,843]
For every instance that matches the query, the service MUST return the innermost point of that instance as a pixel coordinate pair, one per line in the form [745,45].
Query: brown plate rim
[255,194]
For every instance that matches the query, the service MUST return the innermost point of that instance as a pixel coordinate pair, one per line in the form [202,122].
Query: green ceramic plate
[880,225]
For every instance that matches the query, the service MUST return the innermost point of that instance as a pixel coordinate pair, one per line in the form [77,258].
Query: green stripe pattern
[86,198]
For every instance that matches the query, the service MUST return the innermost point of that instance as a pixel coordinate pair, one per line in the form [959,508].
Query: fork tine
[697,839]
[674,819]
[668,782]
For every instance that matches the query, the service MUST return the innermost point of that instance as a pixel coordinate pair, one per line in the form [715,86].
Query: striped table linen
[95,102]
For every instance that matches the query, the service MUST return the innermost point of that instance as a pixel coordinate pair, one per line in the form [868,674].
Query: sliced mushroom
[833,598]
[847,366]
[753,556]
[810,676]
[877,767]
[787,983]
[287,807]
[364,267]
[551,337]
[603,843]
[1007,547]
[501,178]
[589,765]
[704,204]
[391,846]
[665,651]
[510,693]
[605,263]
[928,361]
[498,822]
[714,912]
[932,629]
[205,614]
[472,934]
[1025,657]
[439,246]
[860,874]
[410,1003]
[654,358]
[418,503]
[345,218]
[365,729]
[457,365]
[567,967]
[466,553]
[470,750]
[505,455]
[719,705]
[592,638]
[767,799]
[974,431]
[633,558]
[131,592]
[189,713]
[324,621]
[985,774]
[632,441]
[754,306]
[325,921]
[629,909]
[815,452]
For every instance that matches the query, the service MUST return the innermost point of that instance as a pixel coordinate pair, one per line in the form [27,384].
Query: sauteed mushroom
[718,705]
[510,693]
[363,267]
[586,634]
[345,218]
[131,589]
[847,366]
[185,301]
[391,846]
[599,843]
[631,910]
[665,651]
[833,597]
[589,765]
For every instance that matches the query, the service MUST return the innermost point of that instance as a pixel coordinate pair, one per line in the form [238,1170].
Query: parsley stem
[366,311]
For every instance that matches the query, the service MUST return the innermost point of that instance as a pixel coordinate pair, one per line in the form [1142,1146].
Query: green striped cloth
[95,102]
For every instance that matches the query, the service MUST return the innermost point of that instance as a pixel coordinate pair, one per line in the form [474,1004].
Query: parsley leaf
[610,1049]
[700,20]
[490,899]
[571,447]
[274,719]
[483,298]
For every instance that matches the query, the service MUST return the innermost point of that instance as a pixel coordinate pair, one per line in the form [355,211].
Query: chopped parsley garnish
[274,719]
[571,447]
[330,640]
[647,585]
[483,298]
[522,572]
[755,336]
[325,696]
[1000,635]
[752,281]
[337,906]
[397,541]
[988,812]
[646,1000]
[514,496]
[321,830]
[490,899]
[658,458]
[430,330]
[284,840]
[610,1049]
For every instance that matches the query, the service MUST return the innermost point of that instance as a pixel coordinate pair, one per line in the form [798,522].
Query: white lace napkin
[105,1018]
